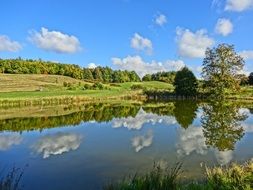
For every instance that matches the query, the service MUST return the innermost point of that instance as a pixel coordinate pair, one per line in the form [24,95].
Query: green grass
[233,177]
[27,87]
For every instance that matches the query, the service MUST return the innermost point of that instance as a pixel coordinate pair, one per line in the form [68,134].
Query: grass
[233,177]
[29,87]
[11,180]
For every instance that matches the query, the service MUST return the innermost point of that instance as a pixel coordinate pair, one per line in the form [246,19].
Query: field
[27,87]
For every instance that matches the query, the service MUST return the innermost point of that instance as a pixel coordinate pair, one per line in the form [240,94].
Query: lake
[88,146]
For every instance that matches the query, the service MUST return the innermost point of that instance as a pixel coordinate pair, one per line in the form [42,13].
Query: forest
[99,74]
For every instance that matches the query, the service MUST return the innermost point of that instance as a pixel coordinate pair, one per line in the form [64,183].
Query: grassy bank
[52,89]
[233,177]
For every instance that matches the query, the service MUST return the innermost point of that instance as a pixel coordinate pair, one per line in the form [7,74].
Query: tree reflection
[185,112]
[221,122]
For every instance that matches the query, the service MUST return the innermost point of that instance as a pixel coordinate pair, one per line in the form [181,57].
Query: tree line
[100,74]
[161,76]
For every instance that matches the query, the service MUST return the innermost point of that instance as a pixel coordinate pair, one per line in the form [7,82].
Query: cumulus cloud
[141,67]
[57,144]
[247,54]
[7,141]
[140,43]
[160,20]
[140,142]
[224,27]
[238,5]
[193,45]
[191,140]
[6,44]
[55,41]
[92,65]
[140,119]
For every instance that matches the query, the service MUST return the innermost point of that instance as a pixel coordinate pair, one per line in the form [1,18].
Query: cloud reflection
[223,157]
[191,140]
[140,142]
[57,144]
[8,140]
[141,118]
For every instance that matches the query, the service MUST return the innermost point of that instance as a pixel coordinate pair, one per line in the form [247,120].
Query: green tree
[251,78]
[185,83]
[87,74]
[97,74]
[220,67]
[147,77]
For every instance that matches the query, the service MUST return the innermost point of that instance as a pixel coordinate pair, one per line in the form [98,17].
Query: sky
[142,35]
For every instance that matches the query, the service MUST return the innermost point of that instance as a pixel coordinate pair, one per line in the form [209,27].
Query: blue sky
[146,36]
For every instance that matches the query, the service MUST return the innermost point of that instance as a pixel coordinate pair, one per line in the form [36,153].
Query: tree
[97,74]
[220,67]
[147,77]
[251,78]
[87,74]
[221,122]
[185,83]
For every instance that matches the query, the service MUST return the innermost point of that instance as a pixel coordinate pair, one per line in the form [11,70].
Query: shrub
[98,85]
[137,87]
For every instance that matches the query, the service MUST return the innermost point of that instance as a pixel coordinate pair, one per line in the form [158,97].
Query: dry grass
[33,82]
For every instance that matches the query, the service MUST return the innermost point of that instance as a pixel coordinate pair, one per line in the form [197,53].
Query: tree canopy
[185,83]
[221,66]
[100,74]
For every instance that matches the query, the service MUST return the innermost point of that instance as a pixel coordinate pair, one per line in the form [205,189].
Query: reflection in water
[191,140]
[223,157]
[140,142]
[185,112]
[8,140]
[140,119]
[57,144]
[208,134]
[221,122]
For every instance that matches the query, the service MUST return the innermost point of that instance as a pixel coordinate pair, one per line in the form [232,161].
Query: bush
[98,85]
[137,87]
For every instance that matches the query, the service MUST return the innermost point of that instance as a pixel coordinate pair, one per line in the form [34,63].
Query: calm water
[88,146]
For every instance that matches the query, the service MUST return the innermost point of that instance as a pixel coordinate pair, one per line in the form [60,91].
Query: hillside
[35,82]
[30,87]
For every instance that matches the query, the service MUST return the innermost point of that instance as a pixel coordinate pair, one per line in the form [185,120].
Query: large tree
[220,68]
[185,83]
[251,78]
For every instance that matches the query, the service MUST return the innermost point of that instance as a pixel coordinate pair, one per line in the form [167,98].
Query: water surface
[87,146]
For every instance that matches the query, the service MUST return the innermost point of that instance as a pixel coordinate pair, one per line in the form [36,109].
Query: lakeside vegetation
[234,177]
[24,81]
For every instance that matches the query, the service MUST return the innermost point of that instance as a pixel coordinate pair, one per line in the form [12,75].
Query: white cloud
[140,119]
[224,27]
[161,20]
[57,144]
[238,5]
[7,141]
[140,142]
[140,43]
[92,65]
[55,41]
[6,44]
[247,54]
[193,45]
[141,67]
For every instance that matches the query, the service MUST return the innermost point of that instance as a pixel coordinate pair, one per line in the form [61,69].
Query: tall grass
[233,177]
[157,179]
[11,180]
